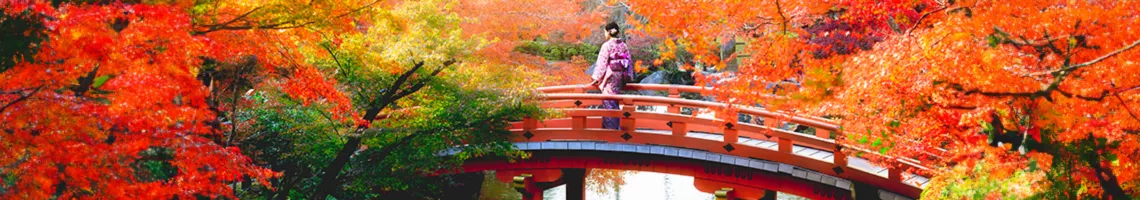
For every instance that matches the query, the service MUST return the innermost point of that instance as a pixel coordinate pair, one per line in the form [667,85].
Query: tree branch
[328,48]
[276,26]
[239,17]
[393,89]
[1126,108]
[422,83]
[1059,76]
[924,15]
[279,25]
[1102,95]
[330,176]
[957,86]
[1039,42]
[22,98]
[1087,98]
[783,18]
[1070,68]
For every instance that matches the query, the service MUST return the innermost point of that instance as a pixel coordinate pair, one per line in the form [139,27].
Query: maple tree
[154,99]
[108,105]
[440,38]
[943,82]
[510,24]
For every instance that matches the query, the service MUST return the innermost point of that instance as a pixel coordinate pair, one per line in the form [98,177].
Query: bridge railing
[573,101]
[672,91]
[823,127]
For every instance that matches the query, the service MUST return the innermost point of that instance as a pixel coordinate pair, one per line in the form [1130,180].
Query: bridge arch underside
[749,177]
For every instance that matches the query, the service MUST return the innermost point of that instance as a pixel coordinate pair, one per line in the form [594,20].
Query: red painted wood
[583,124]
[748,182]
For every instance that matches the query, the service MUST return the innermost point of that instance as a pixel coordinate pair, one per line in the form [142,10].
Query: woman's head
[613,30]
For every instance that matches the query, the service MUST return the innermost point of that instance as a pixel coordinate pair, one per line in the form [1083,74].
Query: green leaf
[993,41]
[99,81]
[1032,165]
[1112,158]
[985,126]
[791,34]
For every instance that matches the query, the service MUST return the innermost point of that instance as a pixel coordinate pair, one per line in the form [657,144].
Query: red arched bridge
[669,134]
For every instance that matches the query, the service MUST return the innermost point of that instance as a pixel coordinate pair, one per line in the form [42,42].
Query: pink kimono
[612,67]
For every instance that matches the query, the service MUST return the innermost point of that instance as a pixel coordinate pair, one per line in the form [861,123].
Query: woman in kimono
[611,71]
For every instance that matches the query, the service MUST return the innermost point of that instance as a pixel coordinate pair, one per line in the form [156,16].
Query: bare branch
[924,15]
[1126,108]
[22,98]
[1040,42]
[239,17]
[1070,68]
[422,83]
[783,18]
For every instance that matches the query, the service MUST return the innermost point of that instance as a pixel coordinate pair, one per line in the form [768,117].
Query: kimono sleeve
[600,65]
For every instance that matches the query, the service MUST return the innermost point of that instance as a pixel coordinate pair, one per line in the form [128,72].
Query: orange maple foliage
[110,86]
[118,88]
[507,23]
[1061,73]
[604,181]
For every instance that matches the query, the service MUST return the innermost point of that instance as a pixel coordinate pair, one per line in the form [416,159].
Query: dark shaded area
[18,33]
[832,37]
[451,187]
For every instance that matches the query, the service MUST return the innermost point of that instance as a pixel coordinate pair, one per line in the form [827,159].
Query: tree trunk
[329,176]
[1107,179]
[285,184]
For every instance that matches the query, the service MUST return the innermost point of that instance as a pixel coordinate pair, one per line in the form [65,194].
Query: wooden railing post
[674,94]
[529,124]
[680,129]
[825,134]
[628,124]
[894,174]
[785,145]
[730,134]
[839,158]
[577,123]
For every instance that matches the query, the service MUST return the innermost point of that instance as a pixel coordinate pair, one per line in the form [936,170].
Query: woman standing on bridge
[612,71]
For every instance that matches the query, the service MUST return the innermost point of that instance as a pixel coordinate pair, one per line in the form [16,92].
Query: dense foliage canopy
[354,98]
[161,99]
[943,82]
